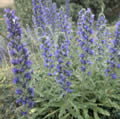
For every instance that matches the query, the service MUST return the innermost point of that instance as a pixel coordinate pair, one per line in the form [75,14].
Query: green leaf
[113,104]
[62,111]
[85,114]
[77,114]
[50,114]
[96,115]
[101,111]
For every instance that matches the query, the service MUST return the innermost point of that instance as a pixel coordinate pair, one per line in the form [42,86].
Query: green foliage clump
[112,9]
[24,11]
[7,97]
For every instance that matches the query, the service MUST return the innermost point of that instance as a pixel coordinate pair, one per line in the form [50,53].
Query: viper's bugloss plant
[85,31]
[67,85]
[21,63]
[114,61]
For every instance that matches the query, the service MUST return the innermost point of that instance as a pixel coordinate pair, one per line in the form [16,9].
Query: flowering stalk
[39,12]
[114,61]
[102,35]
[63,73]
[47,53]
[85,30]
[63,23]
[20,61]
[67,8]
[53,13]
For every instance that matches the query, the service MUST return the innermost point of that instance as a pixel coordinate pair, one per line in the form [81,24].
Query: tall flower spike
[67,8]
[101,21]
[63,72]
[53,13]
[63,23]
[85,30]
[39,14]
[47,53]
[20,61]
[114,61]
[102,34]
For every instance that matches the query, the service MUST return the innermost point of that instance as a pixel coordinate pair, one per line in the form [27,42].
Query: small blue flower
[24,113]
[16,80]
[83,68]
[118,65]
[19,91]
[28,75]
[31,104]
[31,91]
[114,76]
[20,100]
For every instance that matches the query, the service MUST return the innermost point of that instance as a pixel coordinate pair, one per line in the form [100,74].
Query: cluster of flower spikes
[101,35]
[46,39]
[63,72]
[114,61]
[68,7]
[21,63]
[85,31]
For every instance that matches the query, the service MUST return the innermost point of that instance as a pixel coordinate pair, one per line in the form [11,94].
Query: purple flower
[19,91]
[15,71]
[114,76]
[20,100]
[16,80]
[31,104]
[24,113]
[14,62]
[31,91]
[28,75]
[83,68]
[118,65]
[12,52]
[89,73]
